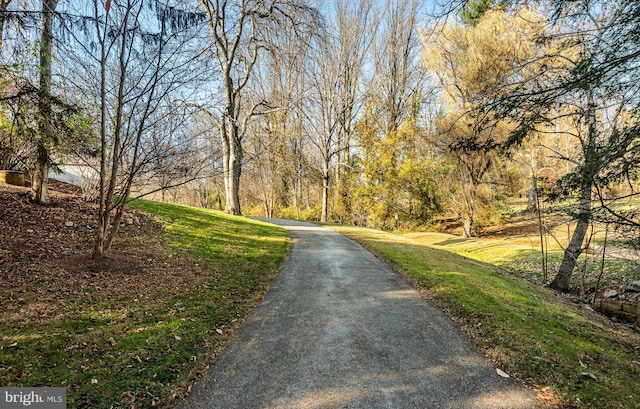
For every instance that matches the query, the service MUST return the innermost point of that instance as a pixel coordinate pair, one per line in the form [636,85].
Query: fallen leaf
[94,381]
[177,337]
[589,375]
[502,373]
[219,331]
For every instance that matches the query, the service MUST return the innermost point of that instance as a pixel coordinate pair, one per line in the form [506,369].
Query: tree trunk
[469,188]
[532,201]
[297,196]
[226,165]
[562,281]
[109,174]
[467,226]
[232,177]
[324,216]
[4,4]
[98,244]
[39,183]
[1,29]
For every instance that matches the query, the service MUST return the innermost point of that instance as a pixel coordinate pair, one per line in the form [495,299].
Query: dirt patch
[45,264]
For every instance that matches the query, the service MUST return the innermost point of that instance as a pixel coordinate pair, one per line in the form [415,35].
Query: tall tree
[470,64]
[238,31]
[610,146]
[335,74]
[355,36]
[39,185]
[398,78]
[233,28]
[589,77]
[388,129]
[135,63]
[275,160]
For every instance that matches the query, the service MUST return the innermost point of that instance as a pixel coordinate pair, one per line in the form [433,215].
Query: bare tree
[393,99]
[137,63]
[238,31]
[4,4]
[397,63]
[336,73]
[273,158]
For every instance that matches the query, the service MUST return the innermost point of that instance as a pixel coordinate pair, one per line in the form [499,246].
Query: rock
[69,224]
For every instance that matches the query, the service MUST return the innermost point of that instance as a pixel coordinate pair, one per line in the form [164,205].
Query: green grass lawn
[113,350]
[525,259]
[531,332]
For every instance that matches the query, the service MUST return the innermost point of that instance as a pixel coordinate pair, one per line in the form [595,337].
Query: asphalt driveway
[338,329]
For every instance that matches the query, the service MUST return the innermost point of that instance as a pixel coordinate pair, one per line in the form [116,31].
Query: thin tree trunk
[4,4]
[562,281]
[532,202]
[39,184]
[226,164]
[297,197]
[543,251]
[469,210]
[467,226]
[233,175]
[40,189]
[98,246]
[103,242]
[324,216]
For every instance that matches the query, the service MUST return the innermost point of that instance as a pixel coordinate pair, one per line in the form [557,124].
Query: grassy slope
[522,257]
[123,352]
[533,333]
[514,255]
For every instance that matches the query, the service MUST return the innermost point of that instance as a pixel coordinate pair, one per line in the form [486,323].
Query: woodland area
[394,115]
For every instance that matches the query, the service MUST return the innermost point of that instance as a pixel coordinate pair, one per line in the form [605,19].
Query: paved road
[338,329]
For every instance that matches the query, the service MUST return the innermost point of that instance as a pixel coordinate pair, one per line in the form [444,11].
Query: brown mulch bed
[45,264]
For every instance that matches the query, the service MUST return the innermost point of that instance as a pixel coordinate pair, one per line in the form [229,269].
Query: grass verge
[569,354]
[525,259]
[142,349]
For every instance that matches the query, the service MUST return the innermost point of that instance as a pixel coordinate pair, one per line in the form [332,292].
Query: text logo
[38,398]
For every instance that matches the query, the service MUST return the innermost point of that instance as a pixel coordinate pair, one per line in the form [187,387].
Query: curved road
[338,329]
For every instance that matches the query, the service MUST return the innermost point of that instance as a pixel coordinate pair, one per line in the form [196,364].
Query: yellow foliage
[468,61]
